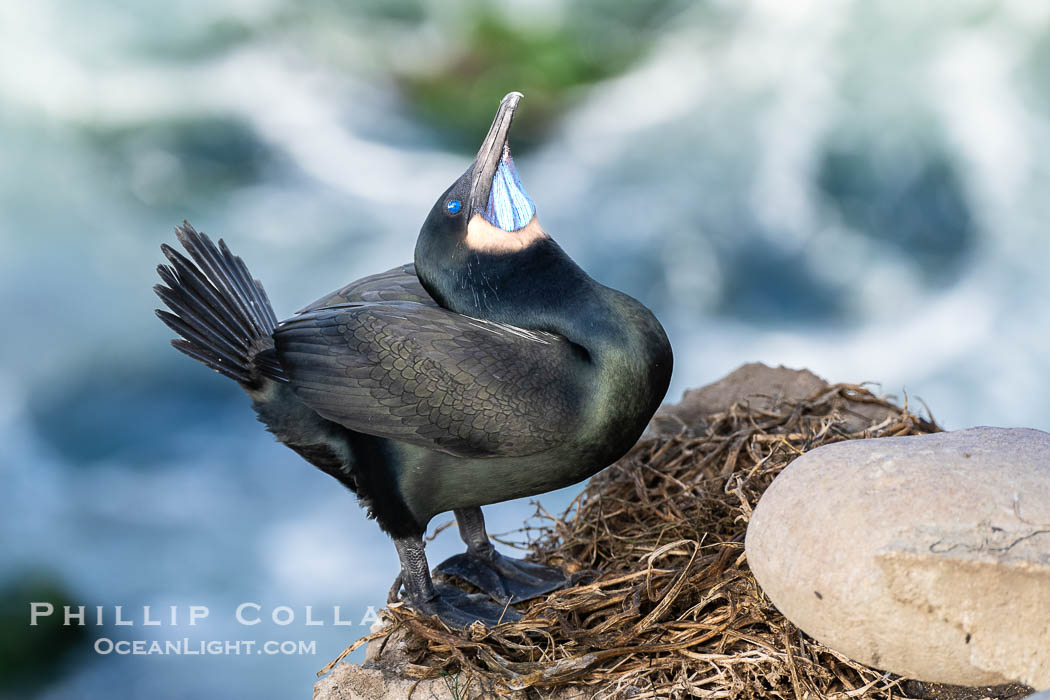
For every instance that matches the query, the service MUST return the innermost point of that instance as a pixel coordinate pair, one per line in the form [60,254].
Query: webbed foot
[460,610]
[456,608]
[504,579]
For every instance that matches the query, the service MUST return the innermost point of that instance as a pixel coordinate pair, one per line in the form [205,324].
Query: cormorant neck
[538,287]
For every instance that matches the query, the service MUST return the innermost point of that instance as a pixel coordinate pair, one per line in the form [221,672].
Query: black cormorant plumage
[492,368]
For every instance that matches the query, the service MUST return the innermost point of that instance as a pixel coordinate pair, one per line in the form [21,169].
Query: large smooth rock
[928,556]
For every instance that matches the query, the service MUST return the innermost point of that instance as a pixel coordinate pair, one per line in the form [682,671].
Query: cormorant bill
[490,369]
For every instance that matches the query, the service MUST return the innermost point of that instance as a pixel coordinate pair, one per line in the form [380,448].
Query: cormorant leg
[503,578]
[454,607]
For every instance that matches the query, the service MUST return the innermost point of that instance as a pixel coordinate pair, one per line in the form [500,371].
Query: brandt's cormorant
[492,368]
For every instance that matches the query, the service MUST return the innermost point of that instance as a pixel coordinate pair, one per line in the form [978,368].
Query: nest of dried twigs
[672,609]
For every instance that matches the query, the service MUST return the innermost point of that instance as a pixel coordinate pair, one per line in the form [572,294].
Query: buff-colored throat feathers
[483,237]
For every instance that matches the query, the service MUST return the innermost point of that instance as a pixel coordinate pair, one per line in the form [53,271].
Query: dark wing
[434,378]
[398,284]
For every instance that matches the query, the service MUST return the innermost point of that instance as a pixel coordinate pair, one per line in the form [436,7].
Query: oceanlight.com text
[214,647]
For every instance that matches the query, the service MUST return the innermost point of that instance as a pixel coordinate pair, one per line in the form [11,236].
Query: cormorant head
[485,214]
[481,251]
[487,209]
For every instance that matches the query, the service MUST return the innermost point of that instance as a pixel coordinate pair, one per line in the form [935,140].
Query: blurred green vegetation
[452,61]
[29,655]
[495,53]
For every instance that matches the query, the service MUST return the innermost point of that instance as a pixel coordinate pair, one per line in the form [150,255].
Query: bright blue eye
[453,206]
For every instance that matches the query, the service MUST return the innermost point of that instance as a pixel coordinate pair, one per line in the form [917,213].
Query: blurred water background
[857,188]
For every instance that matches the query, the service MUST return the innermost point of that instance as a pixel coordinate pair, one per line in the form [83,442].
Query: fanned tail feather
[222,314]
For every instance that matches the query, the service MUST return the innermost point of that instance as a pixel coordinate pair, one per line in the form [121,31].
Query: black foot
[502,578]
[460,610]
